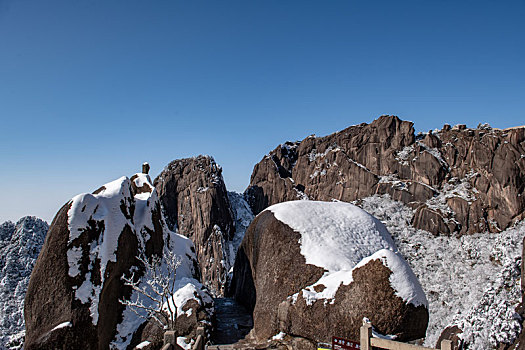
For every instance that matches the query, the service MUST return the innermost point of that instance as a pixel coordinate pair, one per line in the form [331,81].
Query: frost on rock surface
[340,237]
[20,244]
[472,281]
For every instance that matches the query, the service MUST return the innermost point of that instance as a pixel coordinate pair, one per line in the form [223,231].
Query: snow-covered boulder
[316,269]
[73,295]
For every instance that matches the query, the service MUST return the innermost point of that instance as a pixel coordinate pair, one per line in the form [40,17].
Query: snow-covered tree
[153,293]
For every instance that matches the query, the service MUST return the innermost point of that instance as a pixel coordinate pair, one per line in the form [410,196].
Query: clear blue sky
[91,89]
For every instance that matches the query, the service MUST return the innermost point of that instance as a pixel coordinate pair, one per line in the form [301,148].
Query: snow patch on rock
[62,325]
[279,336]
[111,210]
[143,344]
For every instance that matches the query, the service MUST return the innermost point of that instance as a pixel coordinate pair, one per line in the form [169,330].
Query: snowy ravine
[472,281]
[20,244]
[243,217]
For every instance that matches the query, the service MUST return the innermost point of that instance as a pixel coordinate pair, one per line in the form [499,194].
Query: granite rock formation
[457,180]
[195,202]
[73,297]
[288,292]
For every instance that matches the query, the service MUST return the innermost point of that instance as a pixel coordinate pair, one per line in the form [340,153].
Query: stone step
[221,347]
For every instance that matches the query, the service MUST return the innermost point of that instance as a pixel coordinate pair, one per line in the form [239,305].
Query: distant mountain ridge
[20,245]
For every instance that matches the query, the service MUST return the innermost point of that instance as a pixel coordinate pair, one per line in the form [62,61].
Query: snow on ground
[184,343]
[340,237]
[279,336]
[472,281]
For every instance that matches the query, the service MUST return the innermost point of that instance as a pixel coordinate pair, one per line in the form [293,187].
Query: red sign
[344,344]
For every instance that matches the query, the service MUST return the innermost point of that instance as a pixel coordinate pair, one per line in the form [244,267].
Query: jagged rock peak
[458,180]
[195,202]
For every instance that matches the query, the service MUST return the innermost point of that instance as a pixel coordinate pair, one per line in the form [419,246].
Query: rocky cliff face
[333,264]
[457,180]
[72,300]
[20,244]
[195,201]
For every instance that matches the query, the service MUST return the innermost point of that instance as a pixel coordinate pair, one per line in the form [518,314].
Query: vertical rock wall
[195,202]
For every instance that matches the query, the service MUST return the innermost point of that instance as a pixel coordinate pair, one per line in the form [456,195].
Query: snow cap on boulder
[340,237]
[315,269]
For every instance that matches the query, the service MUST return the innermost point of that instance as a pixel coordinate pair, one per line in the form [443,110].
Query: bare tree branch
[157,285]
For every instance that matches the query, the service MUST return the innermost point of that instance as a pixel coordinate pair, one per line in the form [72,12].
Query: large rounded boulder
[316,269]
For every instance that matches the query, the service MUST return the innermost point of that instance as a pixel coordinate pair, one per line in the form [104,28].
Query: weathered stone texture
[476,175]
[195,202]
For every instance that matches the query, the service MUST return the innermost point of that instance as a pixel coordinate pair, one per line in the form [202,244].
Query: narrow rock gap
[232,321]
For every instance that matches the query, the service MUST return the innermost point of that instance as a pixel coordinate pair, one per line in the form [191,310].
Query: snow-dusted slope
[472,281]
[187,288]
[340,237]
[19,248]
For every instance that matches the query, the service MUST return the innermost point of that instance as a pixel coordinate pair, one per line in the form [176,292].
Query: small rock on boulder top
[316,269]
